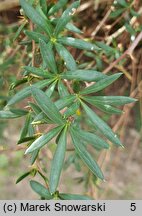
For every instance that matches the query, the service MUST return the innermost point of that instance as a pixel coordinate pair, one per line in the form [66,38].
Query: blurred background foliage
[113,26]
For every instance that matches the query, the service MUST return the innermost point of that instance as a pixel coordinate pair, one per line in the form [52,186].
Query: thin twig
[101,23]
[126,109]
[129,52]
[122,29]
[122,69]
[68,86]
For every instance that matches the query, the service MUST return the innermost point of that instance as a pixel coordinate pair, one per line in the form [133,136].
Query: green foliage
[73,197]
[101,125]
[12,113]
[61,98]
[58,161]
[85,156]
[40,190]
[36,18]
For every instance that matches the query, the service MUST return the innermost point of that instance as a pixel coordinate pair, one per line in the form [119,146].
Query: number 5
[133,207]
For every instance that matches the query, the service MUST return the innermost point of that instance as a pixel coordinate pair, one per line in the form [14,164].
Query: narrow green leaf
[64,196]
[50,89]
[78,43]
[37,71]
[40,11]
[134,13]
[104,107]
[101,84]
[18,83]
[107,49]
[101,125]
[41,118]
[57,6]
[36,18]
[26,92]
[34,156]
[91,138]
[67,57]
[130,29]
[71,9]
[117,12]
[35,108]
[83,75]
[48,55]
[19,30]
[24,130]
[64,102]
[109,109]
[109,100]
[47,106]
[71,27]
[63,92]
[43,140]
[123,3]
[22,177]
[84,155]
[27,139]
[36,36]
[58,161]
[43,4]
[72,109]
[31,129]
[40,190]
[12,113]
[65,18]
[20,112]
[54,21]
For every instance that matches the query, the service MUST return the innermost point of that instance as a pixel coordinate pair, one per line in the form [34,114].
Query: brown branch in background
[84,6]
[115,23]
[134,44]
[122,69]
[115,62]
[122,29]
[68,86]
[134,76]
[41,171]
[129,52]
[101,23]
[126,109]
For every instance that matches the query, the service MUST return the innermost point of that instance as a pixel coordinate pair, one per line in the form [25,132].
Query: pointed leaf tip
[43,140]
[85,155]
[101,125]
